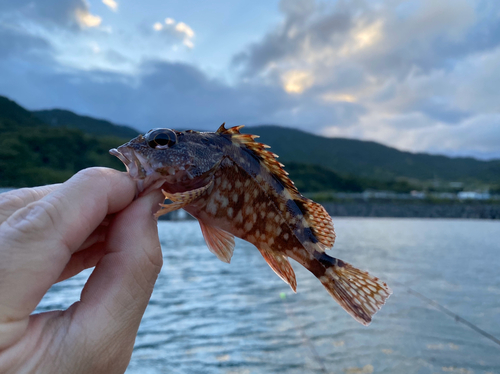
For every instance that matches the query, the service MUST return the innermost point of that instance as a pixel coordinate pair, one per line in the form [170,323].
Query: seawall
[408,209]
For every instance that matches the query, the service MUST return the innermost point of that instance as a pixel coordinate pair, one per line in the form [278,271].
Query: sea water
[206,316]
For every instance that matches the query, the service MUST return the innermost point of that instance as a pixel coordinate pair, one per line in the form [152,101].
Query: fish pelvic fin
[181,199]
[220,242]
[281,266]
[359,293]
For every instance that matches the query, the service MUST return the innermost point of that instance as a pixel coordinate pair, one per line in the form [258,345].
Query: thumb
[118,291]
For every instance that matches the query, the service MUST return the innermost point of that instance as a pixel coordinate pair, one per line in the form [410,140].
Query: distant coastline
[396,209]
[413,210]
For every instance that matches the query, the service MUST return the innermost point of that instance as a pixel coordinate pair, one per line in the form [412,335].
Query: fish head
[176,161]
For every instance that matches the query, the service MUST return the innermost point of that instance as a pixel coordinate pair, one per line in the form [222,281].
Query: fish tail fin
[359,293]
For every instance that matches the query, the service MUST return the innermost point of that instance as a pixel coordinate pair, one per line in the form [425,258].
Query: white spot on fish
[230,212]
[212,207]
[239,217]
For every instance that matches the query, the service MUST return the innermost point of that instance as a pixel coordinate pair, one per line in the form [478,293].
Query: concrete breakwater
[394,209]
[412,209]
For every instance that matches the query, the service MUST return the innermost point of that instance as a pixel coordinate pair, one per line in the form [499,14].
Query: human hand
[50,233]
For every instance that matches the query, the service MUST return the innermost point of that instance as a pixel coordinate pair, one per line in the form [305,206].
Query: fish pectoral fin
[181,199]
[281,266]
[220,242]
[167,208]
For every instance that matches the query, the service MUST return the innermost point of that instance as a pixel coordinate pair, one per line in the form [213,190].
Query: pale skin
[51,233]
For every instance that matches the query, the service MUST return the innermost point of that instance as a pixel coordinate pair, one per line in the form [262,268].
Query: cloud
[420,75]
[86,19]
[60,13]
[18,44]
[417,75]
[296,81]
[178,30]
[111,4]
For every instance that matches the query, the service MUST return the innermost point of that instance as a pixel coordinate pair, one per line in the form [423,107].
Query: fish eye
[161,137]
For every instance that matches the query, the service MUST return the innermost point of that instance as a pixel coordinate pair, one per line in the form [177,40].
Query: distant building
[473,195]
[418,194]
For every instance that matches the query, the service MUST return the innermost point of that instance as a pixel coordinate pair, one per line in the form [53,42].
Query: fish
[235,187]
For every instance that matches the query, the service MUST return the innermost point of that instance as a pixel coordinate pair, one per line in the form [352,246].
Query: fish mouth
[115,152]
[130,160]
[139,169]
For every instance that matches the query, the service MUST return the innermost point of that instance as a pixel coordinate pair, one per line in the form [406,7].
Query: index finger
[12,201]
[37,241]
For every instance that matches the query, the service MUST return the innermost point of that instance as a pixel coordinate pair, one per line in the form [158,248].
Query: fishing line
[291,315]
[445,310]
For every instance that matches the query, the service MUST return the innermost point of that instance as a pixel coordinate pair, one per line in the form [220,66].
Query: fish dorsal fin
[316,216]
[233,130]
[268,159]
[319,221]
[220,242]
[279,263]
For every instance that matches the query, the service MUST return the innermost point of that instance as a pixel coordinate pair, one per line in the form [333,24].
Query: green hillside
[372,160]
[33,153]
[89,125]
[12,115]
[51,145]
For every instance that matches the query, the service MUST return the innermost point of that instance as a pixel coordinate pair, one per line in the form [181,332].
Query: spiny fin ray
[281,266]
[220,242]
[233,130]
[359,293]
[181,199]
[267,158]
[319,220]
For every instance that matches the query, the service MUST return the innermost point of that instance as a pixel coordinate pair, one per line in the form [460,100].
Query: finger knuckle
[94,173]
[10,201]
[35,219]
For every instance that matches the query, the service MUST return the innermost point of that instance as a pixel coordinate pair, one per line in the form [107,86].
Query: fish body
[233,186]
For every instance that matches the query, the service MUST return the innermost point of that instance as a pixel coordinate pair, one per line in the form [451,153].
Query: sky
[418,75]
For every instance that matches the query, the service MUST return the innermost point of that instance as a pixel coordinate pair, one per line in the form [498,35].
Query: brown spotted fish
[233,186]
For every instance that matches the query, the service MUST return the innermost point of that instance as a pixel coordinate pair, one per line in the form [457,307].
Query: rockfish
[233,186]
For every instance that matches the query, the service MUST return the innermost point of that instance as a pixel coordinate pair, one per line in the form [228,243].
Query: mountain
[372,160]
[89,125]
[12,114]
[49,146]
[34,153]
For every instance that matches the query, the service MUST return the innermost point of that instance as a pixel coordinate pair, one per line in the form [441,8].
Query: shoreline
[413,210]
[393,209]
